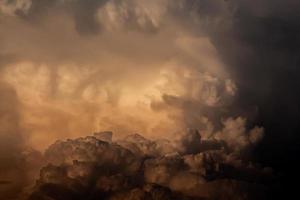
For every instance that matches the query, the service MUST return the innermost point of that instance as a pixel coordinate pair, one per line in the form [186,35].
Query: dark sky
[263,47]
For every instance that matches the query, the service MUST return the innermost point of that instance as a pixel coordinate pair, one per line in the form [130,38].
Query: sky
[226,68]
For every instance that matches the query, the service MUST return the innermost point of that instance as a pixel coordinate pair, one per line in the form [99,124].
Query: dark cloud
[85,16]
[262,48]
[90,168]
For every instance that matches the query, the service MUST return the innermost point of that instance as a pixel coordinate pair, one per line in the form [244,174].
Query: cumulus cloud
[237,136]
[89,167]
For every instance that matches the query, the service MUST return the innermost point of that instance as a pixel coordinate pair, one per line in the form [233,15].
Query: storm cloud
[225,68]
[91,168]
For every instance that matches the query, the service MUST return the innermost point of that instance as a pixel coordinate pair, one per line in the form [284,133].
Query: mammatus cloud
[153,67]
[143,70]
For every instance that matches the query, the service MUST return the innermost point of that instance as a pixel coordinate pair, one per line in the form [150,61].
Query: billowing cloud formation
[68,67]
[126,66]
[91,168]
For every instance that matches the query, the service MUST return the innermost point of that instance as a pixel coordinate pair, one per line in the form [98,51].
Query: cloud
[18,163]
[12,7]
[70,83]
[157,68]
[11,141]
[261,46]
[236,136]
[88,167]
